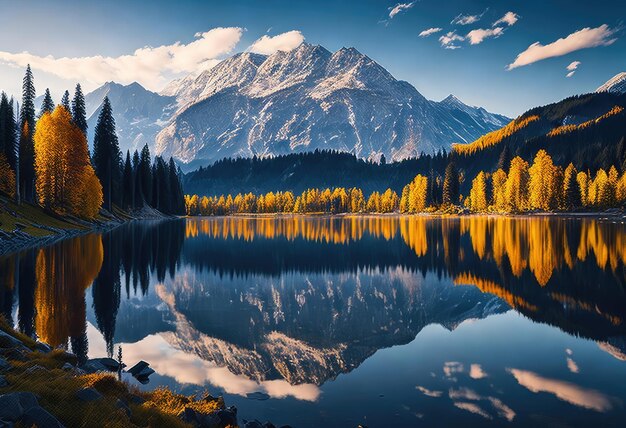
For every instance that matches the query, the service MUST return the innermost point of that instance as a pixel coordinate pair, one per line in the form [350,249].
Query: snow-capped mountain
[616,84]
[139,114]
[307,99]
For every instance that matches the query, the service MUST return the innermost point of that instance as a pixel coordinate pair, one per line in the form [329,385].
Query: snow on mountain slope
[616,84]
[307,99]
[139,114]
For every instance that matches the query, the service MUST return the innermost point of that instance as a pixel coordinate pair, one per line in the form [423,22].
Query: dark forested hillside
[297,172]
[587,130]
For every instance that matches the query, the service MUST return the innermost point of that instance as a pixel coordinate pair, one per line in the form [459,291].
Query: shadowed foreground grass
[56,390]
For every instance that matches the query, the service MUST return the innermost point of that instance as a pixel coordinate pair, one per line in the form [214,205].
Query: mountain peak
[615,84]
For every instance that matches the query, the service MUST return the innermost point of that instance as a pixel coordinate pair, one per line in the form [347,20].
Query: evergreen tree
[137,195]
[571,191]
[65,101]
[128,184]
[106,154]
[79,115]
[8,131]
[27,130]
[145,175]
[177,202]
[47,106]
[505,158]
[451,185]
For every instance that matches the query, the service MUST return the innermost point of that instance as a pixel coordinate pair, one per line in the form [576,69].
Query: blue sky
[98,41]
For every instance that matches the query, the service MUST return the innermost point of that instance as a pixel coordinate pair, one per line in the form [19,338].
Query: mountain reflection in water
[287,304]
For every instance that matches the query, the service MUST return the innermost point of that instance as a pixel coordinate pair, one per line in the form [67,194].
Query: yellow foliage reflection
[538,244]
[63,272]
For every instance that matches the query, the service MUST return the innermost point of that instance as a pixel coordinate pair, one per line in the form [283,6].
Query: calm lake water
[381,321]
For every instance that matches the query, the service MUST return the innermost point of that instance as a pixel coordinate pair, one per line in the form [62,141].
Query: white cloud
[573,66]
[582,39]
[461,19]
[477,36]
[429,392]
[476,372]
[430,31]
[473,408]
[572,366]
[448,39]
[452,367]
[400,7]
[573,394]
[150,66]
[509,18]
[267,45]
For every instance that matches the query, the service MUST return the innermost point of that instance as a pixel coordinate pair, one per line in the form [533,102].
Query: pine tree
[478,193]
[79,115]
[128,184]
[451,185]
[145,175]
[65,101]
[47,106]
[137,195]
[27,128]
[106,154]
[8,131]
[177,205]
[505,158]
[571,193]
[543,187]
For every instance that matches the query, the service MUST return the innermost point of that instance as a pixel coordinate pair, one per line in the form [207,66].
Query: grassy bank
[49,376]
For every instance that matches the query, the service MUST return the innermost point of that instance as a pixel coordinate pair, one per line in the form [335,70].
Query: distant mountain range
[297,101]
[292,102]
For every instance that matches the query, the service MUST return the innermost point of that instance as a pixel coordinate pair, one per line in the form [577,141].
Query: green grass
[56,390]
[31,219]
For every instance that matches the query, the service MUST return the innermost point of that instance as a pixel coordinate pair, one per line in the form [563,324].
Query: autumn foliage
[7,177]
[64,178]
[494,137]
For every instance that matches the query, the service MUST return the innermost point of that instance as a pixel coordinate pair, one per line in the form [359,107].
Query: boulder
[10,407]
[43,347]
[145,372]
[35,369]
[8,341]
[27,400]
[88,394]
[108,363]
[68,366]
[137,368]
[40,418]
[4,365]
[93,367]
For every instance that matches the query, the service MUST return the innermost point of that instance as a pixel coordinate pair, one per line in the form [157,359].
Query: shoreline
[18,240]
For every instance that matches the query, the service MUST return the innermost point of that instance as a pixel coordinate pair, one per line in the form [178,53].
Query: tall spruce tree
[47,106]
[177,201]
[27,130]
[128,184]
[8,131]
[65,101]
[79,115]
[106,155]
[137,195]
[145,175]
[451,185]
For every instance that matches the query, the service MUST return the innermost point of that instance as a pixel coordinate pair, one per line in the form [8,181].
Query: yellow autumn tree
[498,194]
[516,187]
[543,185]
[583,186]
[414,194]
[7,177]
[478,193]
[64,178]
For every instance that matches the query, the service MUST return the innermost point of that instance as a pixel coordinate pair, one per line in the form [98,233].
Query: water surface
[318,321]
